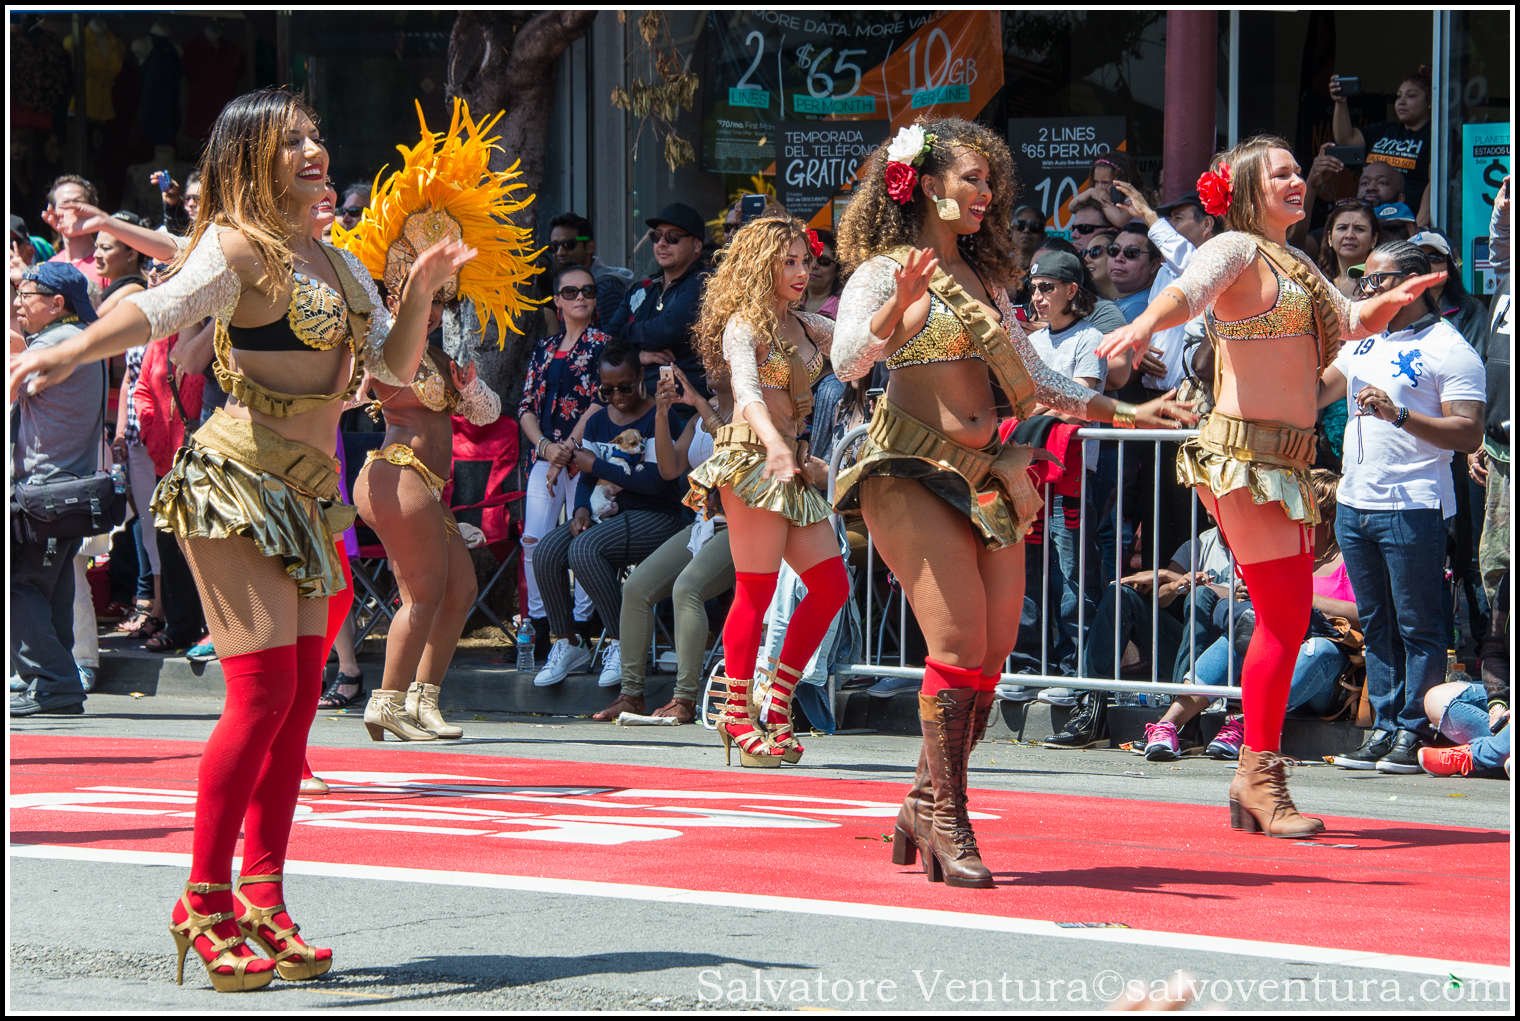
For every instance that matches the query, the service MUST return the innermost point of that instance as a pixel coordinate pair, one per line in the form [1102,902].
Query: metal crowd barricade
[873,656]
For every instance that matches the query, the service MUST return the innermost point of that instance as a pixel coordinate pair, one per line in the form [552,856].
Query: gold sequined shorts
[900,446]
[738,461]
[239,478]
[1269,459]
[403,456]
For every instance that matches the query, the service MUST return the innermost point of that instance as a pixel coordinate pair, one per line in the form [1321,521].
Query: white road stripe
[1324,956]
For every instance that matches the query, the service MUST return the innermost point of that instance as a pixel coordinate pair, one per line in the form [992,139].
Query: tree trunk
[505,61]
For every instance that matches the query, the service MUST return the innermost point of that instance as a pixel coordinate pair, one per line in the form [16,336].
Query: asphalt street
[636,931]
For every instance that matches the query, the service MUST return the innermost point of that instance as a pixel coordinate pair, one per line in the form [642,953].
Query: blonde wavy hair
[874,222]
[744,285]
[237,170]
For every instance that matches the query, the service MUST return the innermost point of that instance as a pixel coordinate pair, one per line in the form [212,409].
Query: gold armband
[1124,415]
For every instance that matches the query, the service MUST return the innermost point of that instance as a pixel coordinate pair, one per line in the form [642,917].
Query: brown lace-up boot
[1259,799]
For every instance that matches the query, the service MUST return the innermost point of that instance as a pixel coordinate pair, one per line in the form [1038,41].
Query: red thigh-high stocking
[260,689]
[338,605]
[271,811]
[741,632]
[827,588]
[1282,592]
[940,676]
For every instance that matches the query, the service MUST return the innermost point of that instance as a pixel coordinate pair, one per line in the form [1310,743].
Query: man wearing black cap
[56,432]
[658,313]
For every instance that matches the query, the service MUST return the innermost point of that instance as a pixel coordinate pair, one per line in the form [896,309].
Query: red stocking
[1282,592]
[828,586]
[741,632]
[940,676]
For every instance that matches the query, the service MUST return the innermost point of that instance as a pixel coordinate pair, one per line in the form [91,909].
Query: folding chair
[483,486]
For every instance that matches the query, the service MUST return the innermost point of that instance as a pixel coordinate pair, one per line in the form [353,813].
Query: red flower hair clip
[1215,190]
[815,244]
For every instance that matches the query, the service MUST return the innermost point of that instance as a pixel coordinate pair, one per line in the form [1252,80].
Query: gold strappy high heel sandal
[298,962]
[196,925]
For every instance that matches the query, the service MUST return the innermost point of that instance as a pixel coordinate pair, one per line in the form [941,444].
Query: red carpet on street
[1147,865]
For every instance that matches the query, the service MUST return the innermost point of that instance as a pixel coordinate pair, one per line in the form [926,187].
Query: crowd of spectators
[615,410]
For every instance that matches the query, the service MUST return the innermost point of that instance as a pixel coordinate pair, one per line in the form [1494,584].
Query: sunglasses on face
[669,237]
[1128,251]
[565,244]
[571,293]
[1094,252]
[1029,226]
[824,260]
[1045,286]
[608,389]
[1084,228]
[353,211]
[1371,283]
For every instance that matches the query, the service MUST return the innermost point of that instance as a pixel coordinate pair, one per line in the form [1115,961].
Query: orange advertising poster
[952,66]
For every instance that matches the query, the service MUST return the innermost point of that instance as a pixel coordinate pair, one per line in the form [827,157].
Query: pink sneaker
[1447,761]
[1226,744]
[1161,742]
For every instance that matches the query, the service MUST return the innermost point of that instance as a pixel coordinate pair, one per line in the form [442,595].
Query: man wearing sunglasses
[572,243]
[657,315]
[57,433]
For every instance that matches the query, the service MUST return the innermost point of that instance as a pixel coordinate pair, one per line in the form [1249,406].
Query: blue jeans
[1135,621]
[1466,722]
[1320,663]
[1395,560]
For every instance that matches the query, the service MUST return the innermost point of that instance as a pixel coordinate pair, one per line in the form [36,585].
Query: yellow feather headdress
[446,188]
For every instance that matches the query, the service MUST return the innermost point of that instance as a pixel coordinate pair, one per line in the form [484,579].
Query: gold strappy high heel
[298,962]
[197,925]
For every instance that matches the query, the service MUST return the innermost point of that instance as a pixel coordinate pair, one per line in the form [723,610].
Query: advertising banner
[1485,162]
[1053,157]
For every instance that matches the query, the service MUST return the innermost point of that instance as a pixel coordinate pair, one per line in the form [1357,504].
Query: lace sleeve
[204,286]
[1214,267]
[379,325]
[743,369]
[856,349]
[1055,391]
[820,330]
[479,404]
[1345,308]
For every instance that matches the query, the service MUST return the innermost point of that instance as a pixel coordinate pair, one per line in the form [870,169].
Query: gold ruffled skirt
[899,445]
[238,478]
[1271,461]
[738,461]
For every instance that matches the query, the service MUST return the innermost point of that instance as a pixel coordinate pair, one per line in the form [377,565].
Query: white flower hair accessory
[910,145]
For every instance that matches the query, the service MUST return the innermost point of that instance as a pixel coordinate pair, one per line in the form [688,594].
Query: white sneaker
[565,657]
[612,665]
[1015,692]
[1058,696]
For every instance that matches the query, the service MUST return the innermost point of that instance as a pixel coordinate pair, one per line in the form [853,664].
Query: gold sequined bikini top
[943,338]
[776,371]
[1292,315]
[319,318]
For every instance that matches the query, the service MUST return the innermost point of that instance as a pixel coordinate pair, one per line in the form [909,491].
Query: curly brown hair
[744,285]
[874,222]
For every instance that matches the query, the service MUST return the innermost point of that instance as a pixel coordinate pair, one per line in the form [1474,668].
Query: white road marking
[1324,956]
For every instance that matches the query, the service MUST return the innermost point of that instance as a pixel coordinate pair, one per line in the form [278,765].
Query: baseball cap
[679,214]
[1189,199]
[18,229]
[1430,239]
[61,278]
[1057,265]
[1395,212]
[1356,272]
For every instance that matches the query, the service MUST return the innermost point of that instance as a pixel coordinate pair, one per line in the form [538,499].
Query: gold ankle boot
[422,706]
[387,711]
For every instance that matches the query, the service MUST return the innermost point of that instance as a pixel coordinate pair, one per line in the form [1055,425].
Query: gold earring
[947,209]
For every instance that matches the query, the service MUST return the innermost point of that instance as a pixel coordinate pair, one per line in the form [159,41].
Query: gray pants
[42,620]
[596,556]
[671,571]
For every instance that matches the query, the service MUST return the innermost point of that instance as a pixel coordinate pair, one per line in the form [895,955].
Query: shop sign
[767,70]
[1485,164]
[814,160]
[1053,157]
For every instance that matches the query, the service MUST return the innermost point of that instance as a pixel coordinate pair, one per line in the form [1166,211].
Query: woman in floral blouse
[560,388]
